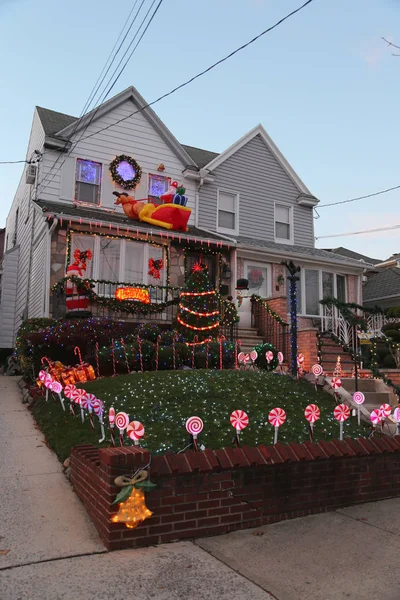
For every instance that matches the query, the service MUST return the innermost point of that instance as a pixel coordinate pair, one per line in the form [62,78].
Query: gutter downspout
[48,268]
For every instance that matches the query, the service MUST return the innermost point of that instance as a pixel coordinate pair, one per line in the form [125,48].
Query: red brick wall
[307,345]
[215,492]
[279,305]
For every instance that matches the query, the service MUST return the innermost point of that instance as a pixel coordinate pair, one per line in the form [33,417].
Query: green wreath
[262,362]
[128,184]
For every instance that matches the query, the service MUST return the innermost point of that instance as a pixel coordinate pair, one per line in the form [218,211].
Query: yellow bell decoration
[132,511]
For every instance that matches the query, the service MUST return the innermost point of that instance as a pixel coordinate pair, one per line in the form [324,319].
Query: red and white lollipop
[48,381]
[317,370]
[42,375]
[239,420]
[277,417]
[135,431]
[376,416]
[79,397]
[69,391]
[194,426]
[336,383]
[358,398]
[312,413]
[341,414]
[253,355]
[280,357]
[122,422]
[56,387]
[269,356]
[111,420]
[241,357]
[386,410]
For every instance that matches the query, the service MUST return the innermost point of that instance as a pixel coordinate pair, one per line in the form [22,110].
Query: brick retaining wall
[214,492]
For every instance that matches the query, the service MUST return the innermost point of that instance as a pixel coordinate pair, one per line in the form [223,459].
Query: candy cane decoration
[77,352]
[341,414]
[97,359]
[207,350]
[221,341]
[194,426]
[126,355]
[238,343]
[173,353]
[111,421]
[122,422]
[157,350]
[139,341]
[277,417]
[45,359]
[113,358]
[312,413]
[239,420]
[135,431]
[358,398]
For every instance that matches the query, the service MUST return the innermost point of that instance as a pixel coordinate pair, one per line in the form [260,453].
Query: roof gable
[260,131]
[201,157]
[53,121]
[130,94]
[382,285]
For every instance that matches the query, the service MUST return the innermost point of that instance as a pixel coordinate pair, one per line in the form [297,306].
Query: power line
[93,114]
[210,68]
[360,197]
[14,162]
[358,232]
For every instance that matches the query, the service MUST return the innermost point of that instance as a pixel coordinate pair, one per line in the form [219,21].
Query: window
[311,284]
[341,288]
[283,222]
[158,185]
[327,285]
[88,180]
[227,219]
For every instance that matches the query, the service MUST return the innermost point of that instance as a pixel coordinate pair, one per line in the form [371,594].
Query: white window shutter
[67,184]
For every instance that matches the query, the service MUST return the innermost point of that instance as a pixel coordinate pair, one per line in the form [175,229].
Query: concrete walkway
[49,550]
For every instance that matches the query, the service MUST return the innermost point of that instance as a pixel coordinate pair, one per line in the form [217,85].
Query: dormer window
[283,223]
[88,181]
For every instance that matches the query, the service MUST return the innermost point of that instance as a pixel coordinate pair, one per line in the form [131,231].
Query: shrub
[394,311]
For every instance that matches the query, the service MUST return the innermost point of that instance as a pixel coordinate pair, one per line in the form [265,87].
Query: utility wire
[93,114]
[210,68]
[360,197]
[358,232]
[14,162]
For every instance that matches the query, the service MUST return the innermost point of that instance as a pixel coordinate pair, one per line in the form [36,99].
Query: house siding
[136,137]
[29,223]
[254,173]
[37,290]
[8,297]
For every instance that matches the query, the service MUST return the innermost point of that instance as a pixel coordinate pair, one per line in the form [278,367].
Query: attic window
[88,181]
[158,185]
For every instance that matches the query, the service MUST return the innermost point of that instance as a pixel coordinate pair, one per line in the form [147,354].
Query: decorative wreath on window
[125,171]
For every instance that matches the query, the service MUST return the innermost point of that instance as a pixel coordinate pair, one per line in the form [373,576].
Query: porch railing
[270,326]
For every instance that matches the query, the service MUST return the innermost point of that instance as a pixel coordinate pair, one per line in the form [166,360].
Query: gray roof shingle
[351,254]
[299,251]
[53,121]
[382,285]
[201,157]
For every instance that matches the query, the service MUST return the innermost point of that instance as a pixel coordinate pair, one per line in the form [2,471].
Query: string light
[197,293]
[199,314]
[132,293]
[197,328]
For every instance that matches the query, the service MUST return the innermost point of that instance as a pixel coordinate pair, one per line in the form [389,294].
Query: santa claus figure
[170,193]
[76,294]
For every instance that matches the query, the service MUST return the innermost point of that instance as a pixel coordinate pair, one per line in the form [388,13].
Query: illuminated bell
[133,511]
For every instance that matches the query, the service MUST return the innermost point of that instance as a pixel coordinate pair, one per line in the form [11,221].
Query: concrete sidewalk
[49,550]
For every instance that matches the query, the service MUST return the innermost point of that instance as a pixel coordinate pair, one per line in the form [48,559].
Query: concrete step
[364,385]
[247,331]
[251,340]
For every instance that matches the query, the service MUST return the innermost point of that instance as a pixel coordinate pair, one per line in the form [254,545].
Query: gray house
[249,211]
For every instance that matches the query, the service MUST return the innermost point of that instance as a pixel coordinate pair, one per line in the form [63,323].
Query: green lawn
[163,401]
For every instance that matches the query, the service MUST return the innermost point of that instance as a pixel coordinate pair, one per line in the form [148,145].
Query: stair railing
[334,322]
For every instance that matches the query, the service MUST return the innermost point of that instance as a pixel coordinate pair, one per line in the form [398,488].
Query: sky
[324,85]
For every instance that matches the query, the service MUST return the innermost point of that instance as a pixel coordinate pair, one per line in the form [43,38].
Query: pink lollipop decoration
[317,370]
[122,422]
[277,417]
[269,356]
[42,375]
[341,413]
[135,431]
[246,359]
[194,425]
[98,407]
[88,403]
[376,416]
[241,357]
[300,359]
[56,387]
[111,420]
[79,397]
[358,398]
[69,391]
[48,381]
[396,415]
[280,357]
[253,355]
[239,420]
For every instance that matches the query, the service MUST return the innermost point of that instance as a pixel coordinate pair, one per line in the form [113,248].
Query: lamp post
[293,278]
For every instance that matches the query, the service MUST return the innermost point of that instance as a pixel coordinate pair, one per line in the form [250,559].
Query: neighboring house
[383,289]
[250,211]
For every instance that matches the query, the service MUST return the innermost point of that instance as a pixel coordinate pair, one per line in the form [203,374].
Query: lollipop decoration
[253,356]
[376,417]
[386,411]
[98,409]
[238,343]
[69,392]
[239,420]
[358,398]
[42,375]
[194,426]
[56,387]
[122,422]
[88,403]
[47,381]
[280,361]
[135,431]
[269,356]
[79,397]
[341,414]
[336,384]
[396,415]
[277,417]
[111,421]
[312,413]
[300,363]
[317,371]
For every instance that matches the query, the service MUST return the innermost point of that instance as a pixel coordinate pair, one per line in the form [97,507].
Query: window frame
[291,225]
[303,290]
[77,181]
[236,195]
[151,197]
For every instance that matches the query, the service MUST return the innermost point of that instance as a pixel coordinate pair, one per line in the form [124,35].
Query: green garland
[377,374]
[85,286]
[347,309]
[272,313]
[128,184]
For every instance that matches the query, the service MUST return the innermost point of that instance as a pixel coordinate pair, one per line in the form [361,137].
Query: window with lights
[87,181]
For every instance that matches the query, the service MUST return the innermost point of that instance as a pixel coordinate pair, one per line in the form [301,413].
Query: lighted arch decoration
[125,171]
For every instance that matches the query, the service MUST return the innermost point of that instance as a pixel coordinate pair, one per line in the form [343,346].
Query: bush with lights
[262,362]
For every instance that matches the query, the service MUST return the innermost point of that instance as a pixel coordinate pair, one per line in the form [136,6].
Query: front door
[259,278]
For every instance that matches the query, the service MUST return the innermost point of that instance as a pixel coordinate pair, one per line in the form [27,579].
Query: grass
[163,401]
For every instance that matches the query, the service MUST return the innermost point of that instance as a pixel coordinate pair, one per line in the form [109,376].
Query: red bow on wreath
[155,266]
